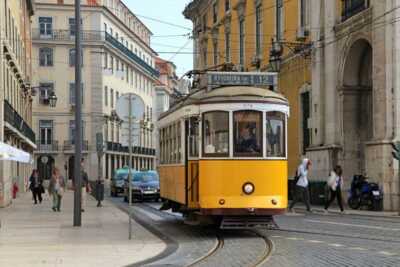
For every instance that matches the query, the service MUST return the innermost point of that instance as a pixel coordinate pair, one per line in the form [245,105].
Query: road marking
[356,225]
[276,236]
[358,248]
[336,245]
[387,253]
[151,215]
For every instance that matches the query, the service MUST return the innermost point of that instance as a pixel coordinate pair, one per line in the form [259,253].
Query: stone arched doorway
[45,165]
[356,93]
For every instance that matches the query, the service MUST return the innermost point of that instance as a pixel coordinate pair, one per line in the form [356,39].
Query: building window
[45,89]
[227,47]
[215,48]
[352,7]
[227,5]
[116,96]
[72,26]
[305,115]
[105,27]
[72,57]
[303,14]
[204,23]
[112,98]
[275,134]
[215,12]
[279,19]
[247,133]
[72,93]
[46,26]
[72,131]
[112,64]
[46,57]
[241,42]
[216,134]
[46,132]
[105,61]
[258,30]
[106,96]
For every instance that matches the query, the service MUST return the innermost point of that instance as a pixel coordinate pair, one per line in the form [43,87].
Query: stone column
[330,92]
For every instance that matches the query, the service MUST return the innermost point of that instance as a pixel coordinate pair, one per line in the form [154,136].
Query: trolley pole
[78,118]
[130,164]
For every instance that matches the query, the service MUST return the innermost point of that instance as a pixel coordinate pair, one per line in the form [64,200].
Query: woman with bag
[56,189]
[335,184]
[35,185]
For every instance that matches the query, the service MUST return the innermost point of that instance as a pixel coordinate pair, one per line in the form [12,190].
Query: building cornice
[104,10]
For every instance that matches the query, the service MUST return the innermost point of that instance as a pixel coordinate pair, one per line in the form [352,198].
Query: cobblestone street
[302,240]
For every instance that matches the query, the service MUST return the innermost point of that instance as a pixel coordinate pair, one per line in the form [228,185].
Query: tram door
[192,162]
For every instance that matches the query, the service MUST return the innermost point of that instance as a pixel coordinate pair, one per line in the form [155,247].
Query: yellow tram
[223,155]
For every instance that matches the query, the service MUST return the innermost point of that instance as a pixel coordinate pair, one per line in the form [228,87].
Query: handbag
[42,189]
[60,191]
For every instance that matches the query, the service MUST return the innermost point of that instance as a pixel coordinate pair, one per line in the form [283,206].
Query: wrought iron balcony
[44,146]
[16,121]
[117,147]
[67,35]
[353,7]
[70,145]
[120,46]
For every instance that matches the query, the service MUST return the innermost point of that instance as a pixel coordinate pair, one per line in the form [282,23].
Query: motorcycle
[364,194]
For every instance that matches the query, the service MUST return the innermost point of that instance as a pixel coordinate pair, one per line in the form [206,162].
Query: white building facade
[117,59]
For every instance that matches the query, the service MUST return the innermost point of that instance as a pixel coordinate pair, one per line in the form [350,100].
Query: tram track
[225,242]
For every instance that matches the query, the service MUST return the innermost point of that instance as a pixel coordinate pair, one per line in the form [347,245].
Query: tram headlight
[248,188]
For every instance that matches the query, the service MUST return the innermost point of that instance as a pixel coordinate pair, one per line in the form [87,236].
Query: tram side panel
[224,179]
[172,183]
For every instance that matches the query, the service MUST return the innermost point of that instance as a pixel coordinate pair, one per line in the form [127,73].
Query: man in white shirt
[301,191]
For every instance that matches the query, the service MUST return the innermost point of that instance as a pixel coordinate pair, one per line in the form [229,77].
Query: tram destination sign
[263,79]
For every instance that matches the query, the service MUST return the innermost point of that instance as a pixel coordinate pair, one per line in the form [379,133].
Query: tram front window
[275,131]
[247,127]
[216,134]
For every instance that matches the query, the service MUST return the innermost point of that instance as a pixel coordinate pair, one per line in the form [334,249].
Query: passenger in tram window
[247,141]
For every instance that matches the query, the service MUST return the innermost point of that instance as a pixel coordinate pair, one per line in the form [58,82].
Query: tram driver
[247,141]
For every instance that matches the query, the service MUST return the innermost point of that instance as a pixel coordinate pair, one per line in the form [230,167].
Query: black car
[118,182]
[145,186]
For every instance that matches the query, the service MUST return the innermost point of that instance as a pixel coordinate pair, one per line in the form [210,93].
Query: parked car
[145,186]
[118,181]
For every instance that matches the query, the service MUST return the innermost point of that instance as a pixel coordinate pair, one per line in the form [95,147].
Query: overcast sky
[169,11]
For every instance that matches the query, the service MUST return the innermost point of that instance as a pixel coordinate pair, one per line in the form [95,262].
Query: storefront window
[216,134]
[275,134]
[247,127]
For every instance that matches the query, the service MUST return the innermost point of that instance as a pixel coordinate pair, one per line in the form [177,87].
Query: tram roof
[228,94]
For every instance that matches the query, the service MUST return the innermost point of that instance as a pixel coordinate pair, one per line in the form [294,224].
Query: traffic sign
[137,107]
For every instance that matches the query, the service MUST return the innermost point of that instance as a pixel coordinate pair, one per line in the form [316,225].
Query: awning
[8,152]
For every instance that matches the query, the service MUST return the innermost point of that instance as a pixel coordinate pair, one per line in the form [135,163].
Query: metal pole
[78,117]
[130,165]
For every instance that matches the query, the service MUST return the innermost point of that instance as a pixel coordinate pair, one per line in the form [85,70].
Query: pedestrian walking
[301,190]
[56,189]
[99,191]
[36,186]
[335,184]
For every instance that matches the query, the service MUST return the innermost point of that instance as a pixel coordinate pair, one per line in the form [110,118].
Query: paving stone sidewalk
[34,235]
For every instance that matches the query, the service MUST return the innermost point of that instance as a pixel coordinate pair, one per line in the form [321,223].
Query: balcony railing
[42,145]
[70,145]
[117,147]
[353,7]
[15,120]
[120,46]
[66,35]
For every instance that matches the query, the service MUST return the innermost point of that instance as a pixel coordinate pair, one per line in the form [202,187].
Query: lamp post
[53,100]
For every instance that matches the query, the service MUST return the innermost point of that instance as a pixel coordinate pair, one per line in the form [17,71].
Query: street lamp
[52,99]
[275,54]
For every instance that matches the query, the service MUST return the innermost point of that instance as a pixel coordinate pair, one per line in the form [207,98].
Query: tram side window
[275,134]
[194,138]
[216,134]
[247,127]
